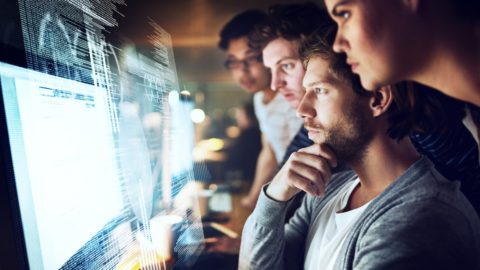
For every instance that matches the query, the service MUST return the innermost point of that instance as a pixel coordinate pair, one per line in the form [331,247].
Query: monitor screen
[96,178]
[97,171]
[55,125]
[96,142]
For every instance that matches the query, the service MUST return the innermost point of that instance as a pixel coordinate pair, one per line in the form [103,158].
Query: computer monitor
[81,177]
[95,141]
[54,126]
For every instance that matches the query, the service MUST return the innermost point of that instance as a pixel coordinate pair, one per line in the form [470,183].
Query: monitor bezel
[12,240]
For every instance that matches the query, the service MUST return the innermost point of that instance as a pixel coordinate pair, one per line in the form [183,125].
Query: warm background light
[197,116]
[233,132]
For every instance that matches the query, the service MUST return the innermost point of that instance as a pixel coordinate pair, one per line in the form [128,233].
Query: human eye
[344,14]
[233,64]
[288,66]
[341,14]
[320,90]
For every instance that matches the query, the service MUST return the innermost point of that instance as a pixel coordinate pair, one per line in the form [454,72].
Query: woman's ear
[381,100]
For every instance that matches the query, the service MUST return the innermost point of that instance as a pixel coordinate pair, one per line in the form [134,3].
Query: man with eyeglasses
[277,119]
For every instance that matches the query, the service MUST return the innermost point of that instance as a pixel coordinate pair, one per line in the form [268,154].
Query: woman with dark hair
[433,42]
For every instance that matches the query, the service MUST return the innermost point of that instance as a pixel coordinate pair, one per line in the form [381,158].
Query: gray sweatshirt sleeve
[267,243]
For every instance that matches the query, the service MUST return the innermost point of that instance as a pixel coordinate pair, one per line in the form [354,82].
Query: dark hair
[290,21]
[241,25]
[319,44]
[415,107]
[424,109]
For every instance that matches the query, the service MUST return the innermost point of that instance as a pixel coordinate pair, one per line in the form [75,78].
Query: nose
[340,45]
[306,108]
[277,80]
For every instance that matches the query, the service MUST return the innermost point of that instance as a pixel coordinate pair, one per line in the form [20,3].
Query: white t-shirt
[330,230]
[278,122]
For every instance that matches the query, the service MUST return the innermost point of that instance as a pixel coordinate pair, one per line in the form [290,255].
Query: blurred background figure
[277,119]
[243,152]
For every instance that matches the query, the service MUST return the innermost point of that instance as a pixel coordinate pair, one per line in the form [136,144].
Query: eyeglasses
[238,64]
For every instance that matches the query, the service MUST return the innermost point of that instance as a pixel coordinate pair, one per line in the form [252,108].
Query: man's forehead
[239,48]
[278,50]
[312,78]
[317,71]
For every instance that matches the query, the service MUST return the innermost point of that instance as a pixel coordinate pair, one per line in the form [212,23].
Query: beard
[350,136]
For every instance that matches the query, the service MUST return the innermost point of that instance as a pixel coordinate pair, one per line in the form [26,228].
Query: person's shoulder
[423,193]
[427,232]
[427,202]
[426,183]
[421,181]
[258,99]
[427,223]
[420,213]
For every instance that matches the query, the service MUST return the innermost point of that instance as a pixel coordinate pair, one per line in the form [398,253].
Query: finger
[322,150]
[319,176]
[303,183]
[314,161]
[319,171]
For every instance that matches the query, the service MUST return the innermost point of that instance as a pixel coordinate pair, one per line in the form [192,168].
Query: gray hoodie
[421,221]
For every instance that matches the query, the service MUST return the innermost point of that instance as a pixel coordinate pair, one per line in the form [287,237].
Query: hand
[308,169]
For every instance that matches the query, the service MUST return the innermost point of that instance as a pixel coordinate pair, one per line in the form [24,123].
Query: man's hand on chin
[308,169]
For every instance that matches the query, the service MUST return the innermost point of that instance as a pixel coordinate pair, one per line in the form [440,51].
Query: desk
[222,252]
[239,214]
[235,219]
[229,223]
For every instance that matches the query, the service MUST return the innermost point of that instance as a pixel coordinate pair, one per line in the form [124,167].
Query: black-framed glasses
[247,62]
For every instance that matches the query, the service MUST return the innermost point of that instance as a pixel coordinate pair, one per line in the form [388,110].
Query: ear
[412,5]
[381,100]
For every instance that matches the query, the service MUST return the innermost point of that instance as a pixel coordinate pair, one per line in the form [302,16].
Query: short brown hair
[290,21]
[319,44]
